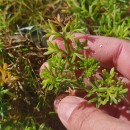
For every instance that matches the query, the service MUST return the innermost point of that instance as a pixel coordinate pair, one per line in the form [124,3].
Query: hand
[74,112]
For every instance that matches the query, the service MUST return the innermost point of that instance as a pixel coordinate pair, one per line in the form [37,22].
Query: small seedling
[61,75]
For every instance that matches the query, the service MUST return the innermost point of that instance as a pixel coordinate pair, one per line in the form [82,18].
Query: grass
[23,106]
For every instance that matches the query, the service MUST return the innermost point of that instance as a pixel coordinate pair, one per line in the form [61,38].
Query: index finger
[111,52]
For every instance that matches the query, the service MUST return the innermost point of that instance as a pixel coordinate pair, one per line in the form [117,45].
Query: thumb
[76,114]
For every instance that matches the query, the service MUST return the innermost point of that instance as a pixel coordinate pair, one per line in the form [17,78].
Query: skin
[74,112]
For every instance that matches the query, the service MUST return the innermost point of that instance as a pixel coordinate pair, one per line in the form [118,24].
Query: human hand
[74,112]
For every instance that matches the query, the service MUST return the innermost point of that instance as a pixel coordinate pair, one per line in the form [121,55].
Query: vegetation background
[23,24]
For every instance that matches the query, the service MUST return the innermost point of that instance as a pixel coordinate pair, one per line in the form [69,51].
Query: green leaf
[6,91]
[123,91]
[93,100]
[79,56]
[56,36]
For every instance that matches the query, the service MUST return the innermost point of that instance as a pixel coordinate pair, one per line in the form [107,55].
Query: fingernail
[67,106]
[57,100]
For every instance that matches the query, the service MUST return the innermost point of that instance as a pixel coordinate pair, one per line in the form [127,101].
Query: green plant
[103,17]
[27,124]
[5,78]
[31,107]
[2,27]
[61,74]
[24,13]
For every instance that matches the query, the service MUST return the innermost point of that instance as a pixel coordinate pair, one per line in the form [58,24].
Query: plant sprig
[61,73]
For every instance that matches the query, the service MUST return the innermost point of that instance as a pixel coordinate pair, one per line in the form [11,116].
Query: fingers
[76,114]
[109,51]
